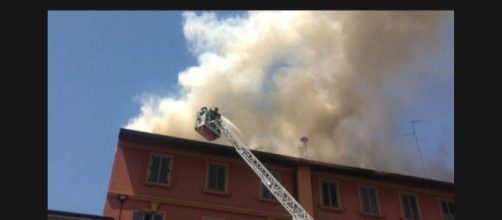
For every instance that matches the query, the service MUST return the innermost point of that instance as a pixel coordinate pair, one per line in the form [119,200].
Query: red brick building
[168,178]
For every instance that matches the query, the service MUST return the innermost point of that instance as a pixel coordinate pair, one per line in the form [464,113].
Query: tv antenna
[414,134]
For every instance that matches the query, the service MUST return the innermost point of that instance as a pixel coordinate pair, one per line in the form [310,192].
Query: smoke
[339,78]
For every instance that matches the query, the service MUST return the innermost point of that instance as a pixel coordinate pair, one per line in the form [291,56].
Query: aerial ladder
[209,125]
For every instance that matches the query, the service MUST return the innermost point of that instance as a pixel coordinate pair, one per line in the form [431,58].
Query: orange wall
[188,180]
[388,197]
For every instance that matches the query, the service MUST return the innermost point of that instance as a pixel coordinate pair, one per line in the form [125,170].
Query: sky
[102,65]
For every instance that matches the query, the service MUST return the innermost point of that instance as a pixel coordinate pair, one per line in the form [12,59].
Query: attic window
[410,207]
[329,194]
[447,209]
[216,177]
[159,169]
[264,192]
[369,200]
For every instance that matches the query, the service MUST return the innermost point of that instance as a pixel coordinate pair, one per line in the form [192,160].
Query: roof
[74,215]
[271,158]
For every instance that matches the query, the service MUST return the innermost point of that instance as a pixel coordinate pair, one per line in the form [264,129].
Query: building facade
[168,178]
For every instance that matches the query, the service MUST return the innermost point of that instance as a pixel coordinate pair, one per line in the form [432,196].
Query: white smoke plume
[329,76]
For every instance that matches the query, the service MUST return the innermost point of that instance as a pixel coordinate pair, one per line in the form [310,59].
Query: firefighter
[200,114]
[216,113]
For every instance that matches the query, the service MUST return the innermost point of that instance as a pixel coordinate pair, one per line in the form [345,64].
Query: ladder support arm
[273,185]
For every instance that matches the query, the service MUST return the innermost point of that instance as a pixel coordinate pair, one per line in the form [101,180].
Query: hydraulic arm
[209,125]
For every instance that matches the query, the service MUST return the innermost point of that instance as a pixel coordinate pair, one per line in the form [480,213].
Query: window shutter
[414,208]
[406,206]
[212,177]
[325,194]
[154,169]
[164,169]
[221,178]
[366,200]
[447,208]
[333,194]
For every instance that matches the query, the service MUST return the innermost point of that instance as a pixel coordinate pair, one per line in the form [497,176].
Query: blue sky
[101,62]
[98,63]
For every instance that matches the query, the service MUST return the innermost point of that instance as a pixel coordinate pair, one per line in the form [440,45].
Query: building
[168,178]
[61,215]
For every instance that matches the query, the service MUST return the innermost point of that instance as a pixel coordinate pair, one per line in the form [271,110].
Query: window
[369,200]
[160,169]
[329,194]
[140,215]
[217,177]
[264,192]
[447,209]
[409,205]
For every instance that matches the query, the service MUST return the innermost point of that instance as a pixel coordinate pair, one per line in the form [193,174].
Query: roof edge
[225,150]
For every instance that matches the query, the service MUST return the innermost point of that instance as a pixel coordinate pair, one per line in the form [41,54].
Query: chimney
[304,140]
